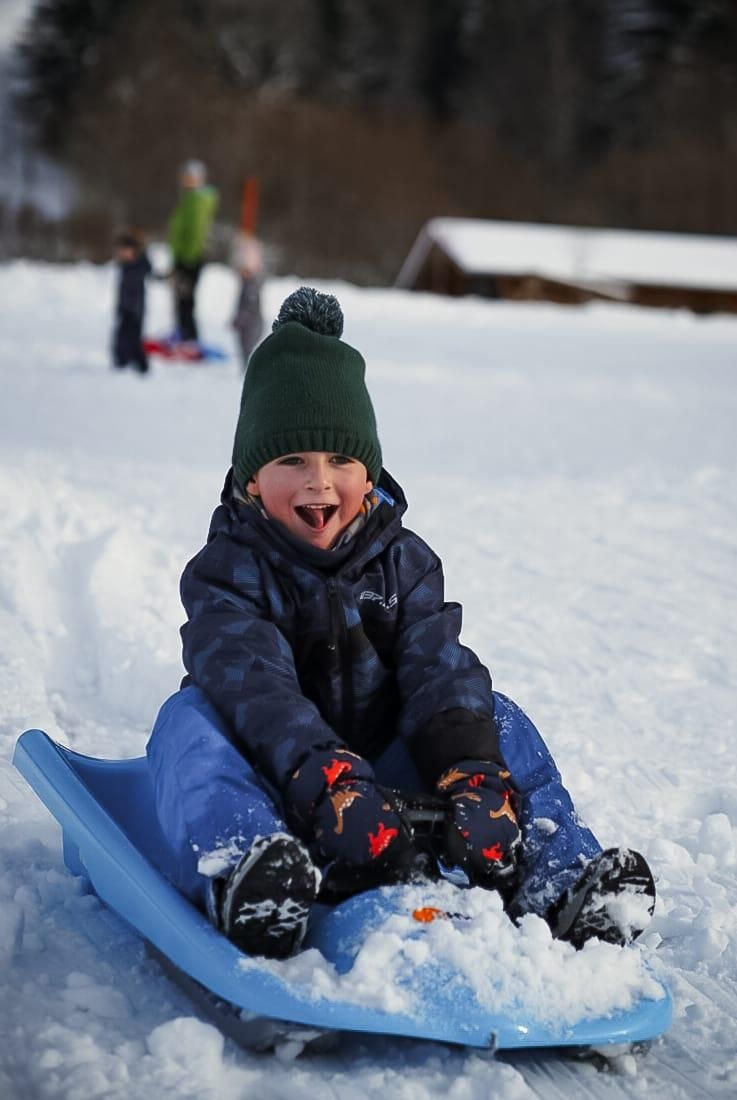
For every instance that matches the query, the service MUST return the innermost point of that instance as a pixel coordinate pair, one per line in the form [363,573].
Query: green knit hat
[304,390]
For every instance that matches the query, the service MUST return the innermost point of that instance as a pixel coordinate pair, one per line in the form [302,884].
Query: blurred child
[247,320]
[133,266]
[189,227]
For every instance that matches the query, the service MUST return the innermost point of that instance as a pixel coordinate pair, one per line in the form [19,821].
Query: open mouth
[316,516]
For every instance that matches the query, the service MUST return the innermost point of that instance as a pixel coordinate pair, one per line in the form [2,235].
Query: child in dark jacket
[325,672]
[133,266]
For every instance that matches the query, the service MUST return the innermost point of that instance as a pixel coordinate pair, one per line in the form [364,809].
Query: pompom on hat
[305,390]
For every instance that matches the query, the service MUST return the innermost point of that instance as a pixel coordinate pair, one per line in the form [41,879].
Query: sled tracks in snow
[664,1069]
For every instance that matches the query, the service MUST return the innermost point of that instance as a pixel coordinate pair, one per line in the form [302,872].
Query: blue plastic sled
[111,836]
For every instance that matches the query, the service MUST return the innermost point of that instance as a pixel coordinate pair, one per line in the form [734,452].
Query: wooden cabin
[573,264]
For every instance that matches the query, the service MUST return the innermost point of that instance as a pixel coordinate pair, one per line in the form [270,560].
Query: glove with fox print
[482,834]
[333,797]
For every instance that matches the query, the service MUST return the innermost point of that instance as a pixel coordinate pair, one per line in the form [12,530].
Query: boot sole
[590,910]
[266,902]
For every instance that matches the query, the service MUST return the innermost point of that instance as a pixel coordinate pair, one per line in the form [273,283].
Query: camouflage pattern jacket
[300,648]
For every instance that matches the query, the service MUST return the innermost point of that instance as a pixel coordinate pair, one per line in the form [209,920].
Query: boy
[133,266]
[325,671]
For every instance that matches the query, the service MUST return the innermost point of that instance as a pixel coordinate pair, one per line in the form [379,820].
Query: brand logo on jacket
[376,597]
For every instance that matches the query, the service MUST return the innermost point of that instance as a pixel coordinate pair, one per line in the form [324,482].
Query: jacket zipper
[339,644]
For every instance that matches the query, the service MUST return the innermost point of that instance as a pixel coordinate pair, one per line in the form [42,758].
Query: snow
[552,983]
[574,468]
[576,255]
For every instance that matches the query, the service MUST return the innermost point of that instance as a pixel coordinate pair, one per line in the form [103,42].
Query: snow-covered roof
[573,254]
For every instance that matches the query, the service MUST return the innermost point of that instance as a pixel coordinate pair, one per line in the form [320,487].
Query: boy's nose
[318,475]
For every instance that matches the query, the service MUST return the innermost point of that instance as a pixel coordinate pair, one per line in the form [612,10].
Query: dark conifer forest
[361,119]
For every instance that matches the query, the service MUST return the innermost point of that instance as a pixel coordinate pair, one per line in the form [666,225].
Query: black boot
[612,901]
[266,901]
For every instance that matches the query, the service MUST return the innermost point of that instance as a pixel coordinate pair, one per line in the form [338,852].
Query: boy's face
[315,494]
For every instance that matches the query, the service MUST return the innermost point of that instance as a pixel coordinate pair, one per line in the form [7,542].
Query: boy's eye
[298,460]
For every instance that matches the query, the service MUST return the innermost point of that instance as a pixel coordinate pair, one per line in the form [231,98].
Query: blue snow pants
[210,800]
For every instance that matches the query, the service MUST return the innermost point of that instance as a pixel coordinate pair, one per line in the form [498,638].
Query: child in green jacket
[189,227]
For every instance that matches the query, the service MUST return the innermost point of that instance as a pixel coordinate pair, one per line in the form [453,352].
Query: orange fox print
[505,810]
[340,803]
[451,777]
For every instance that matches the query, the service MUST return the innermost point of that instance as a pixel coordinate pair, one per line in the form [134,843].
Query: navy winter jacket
[132,286]
[300,648]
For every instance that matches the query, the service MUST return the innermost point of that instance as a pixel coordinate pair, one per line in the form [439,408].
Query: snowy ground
[575,468]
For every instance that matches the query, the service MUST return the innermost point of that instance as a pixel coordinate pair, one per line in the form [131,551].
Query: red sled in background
[184,351]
